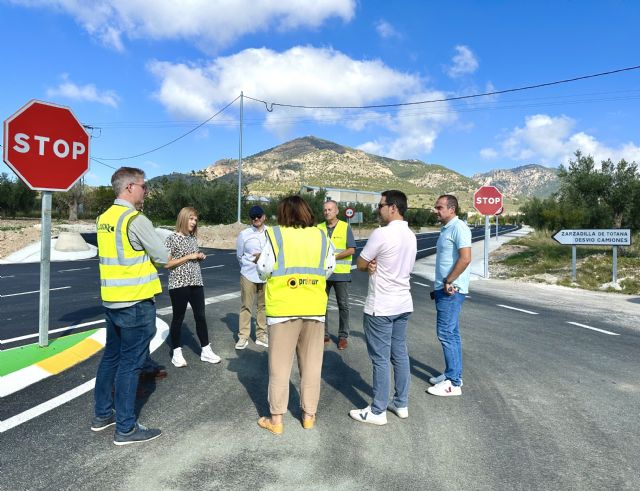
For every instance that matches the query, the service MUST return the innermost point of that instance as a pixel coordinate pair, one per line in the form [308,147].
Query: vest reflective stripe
[297,284]
[130,281]
[125,274]
[339,241]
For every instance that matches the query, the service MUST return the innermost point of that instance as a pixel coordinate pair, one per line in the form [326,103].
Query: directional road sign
[596,237]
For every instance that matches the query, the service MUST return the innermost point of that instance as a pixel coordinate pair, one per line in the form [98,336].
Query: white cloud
[311,77]
[464,62]
[552,140]
[211,24]
[386,30]
[69,90]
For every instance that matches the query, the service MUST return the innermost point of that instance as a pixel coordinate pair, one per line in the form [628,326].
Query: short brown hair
[452,201]
[293,211]
[182,223]
[123,177]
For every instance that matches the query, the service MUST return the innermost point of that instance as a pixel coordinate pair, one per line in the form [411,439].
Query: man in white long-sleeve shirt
[249,243]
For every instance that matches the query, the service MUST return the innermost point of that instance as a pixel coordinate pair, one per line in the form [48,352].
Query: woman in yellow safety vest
[295,262]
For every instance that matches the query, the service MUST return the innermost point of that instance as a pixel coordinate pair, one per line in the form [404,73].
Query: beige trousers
[305,338]
[248,293]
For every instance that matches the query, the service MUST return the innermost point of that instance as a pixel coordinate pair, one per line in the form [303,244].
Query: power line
[270,105]
[106,165]
[174,140]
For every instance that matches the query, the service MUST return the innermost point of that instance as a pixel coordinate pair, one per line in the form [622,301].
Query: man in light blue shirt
[453,256]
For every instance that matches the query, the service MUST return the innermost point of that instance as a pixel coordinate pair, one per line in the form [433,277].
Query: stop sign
[46,146]
[487,200]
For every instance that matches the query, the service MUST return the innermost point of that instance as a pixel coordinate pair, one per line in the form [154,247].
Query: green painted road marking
[24,356]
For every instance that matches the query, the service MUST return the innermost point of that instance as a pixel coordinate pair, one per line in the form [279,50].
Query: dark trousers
[342,298]
[180,297]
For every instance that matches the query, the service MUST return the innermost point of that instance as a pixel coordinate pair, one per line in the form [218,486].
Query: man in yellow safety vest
[128,247]
[344,243]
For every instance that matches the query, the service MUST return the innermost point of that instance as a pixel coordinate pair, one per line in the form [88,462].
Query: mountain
[316,162]
[525,181]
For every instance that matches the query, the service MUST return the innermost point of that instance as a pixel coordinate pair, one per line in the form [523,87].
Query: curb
[18,380]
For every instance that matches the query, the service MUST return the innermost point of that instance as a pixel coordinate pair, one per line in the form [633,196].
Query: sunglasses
[382,205]
[143,186]
[255,217]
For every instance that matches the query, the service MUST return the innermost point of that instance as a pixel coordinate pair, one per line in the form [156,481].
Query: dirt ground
[16,234]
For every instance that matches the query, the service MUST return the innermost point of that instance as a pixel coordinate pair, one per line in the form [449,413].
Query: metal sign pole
[573,264]
[45,270]
[497,226]
[615,264]
[487,234]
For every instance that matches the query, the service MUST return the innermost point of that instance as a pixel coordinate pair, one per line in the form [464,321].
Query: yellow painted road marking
[71,356]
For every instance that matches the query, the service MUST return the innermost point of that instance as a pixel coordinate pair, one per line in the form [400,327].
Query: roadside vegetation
[541,259]
[591,196]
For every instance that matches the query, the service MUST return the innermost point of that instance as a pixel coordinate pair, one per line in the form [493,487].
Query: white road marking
[211,267]
[519,310]
[593,328]
[75,269]
[162,331]
[34,291]
[427,249]
[52,331]
[421,284]
[207,301]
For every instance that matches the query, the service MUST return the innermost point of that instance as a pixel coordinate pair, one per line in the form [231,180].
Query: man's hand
[373,265]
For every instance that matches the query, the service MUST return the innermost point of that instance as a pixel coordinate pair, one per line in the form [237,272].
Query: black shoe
[99,424]
[138,434]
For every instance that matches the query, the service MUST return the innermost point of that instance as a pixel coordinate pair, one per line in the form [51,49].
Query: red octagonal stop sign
[487,200]
[46,146]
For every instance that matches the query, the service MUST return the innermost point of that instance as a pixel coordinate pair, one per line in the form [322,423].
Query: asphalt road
[75,291]
[546,405]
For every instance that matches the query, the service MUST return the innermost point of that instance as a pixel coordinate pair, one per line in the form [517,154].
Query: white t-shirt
[394,249]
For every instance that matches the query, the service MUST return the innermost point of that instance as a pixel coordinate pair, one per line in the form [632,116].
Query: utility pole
[240,159]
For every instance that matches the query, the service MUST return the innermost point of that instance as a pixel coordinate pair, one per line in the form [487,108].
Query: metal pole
[615,264]
[45,270]
[497,227]
[240,158]
[573,264]
[487,234]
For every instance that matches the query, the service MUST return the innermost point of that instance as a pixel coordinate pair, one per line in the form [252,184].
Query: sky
[146,75]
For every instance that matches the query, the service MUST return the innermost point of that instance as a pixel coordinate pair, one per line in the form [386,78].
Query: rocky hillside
[317,162]
[525,181]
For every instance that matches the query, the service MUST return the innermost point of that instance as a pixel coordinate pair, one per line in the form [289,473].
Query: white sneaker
[208,355]
[401,412]
[263,341]
[177,359]
[440,378]
[445,389]
[366,416]
[242,343]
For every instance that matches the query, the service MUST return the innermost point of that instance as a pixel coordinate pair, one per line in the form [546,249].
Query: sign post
[596,237]
[48,149]
[488,201]
[349,213]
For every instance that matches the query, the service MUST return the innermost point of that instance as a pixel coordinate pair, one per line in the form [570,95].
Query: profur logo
[296,282]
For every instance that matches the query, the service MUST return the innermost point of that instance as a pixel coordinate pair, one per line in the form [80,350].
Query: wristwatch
[445,281]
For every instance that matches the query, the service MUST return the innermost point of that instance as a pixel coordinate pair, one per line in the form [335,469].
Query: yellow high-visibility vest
[339,241]
[297,284]
[126,275]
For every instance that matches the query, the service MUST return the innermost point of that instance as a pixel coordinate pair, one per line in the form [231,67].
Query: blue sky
[144,72]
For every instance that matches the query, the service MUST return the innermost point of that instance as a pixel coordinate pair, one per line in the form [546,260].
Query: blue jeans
[387,342]
[129,332]
[448,330]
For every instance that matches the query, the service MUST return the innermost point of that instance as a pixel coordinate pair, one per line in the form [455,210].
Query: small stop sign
[46,146]
[488,200]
